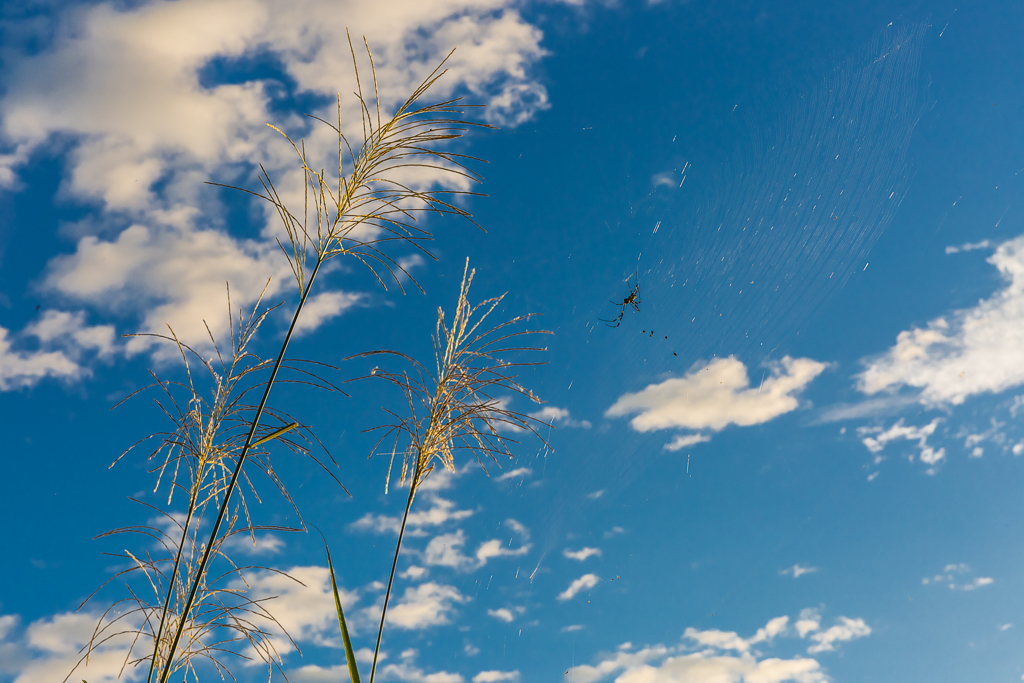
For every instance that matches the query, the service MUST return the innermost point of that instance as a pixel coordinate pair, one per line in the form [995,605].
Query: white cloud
[502,614]
[846,629]
[121,83]
[415,573]
[717,395]
[69,329]
[311,673]
[177,275]
[983,244]
[51,647]
[877,442]
[586,673]
[518,528]
[720,640]
[971,351]
[304,610]
[265,544]
[558,416]
[19,369]
[496,676]
[810,620]
[494,548]
[519,472]
[585,582]
[774,627]
[324,306]
[796,571]
[683,440]
[429,604]
[445,550]
[582,553]
[715,656]
[572,627]
[407,673]
[953,573]
[7,624]
[62,340]
[614,531]
[441,511]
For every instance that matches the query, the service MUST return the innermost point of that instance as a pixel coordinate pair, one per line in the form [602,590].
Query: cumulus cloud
[715,656]
[441,511]
[70,330]
[846,629]
[324,306]
[445,550]
[495,548]
[407,673]
[429,604]
[585,582]
[303,605]
[582,553]
[496,676]
[262,544]
[19,369]
[126,86]
[50,648]
[177,274]
[414,573]
[716,395]
[61,342]
[968,352]
[501,614]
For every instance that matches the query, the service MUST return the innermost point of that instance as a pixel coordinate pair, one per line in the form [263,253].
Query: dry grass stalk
[455,406]
[210,413]
[354,214]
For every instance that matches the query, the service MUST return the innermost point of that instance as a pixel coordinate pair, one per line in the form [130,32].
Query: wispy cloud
[517,473]
[582,553]
[969,246]
[585,582]
[559,416]
[956,577]
[876,438]
[796,571]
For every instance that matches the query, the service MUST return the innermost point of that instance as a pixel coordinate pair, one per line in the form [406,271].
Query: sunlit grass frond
[454,407]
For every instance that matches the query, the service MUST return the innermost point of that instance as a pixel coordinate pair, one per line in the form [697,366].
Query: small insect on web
[633,301]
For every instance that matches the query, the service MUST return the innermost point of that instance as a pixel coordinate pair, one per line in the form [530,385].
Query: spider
[633,301]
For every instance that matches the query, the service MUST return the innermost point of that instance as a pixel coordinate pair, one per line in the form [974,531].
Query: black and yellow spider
[633,301]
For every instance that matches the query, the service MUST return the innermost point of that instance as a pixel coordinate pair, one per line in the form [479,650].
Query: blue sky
[799,460]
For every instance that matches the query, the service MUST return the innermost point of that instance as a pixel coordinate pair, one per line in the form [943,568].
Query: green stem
[174,576]
[207,551]
[394,565]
